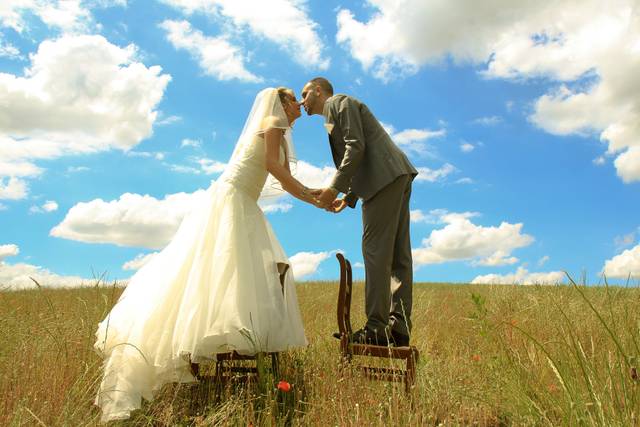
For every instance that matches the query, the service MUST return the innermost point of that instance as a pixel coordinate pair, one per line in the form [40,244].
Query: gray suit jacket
[363,152]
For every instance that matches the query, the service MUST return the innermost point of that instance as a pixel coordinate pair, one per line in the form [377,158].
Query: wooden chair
[231,364]
[348,350]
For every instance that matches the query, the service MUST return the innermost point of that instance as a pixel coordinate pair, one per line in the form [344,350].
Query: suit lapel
[334,153]
[331,131]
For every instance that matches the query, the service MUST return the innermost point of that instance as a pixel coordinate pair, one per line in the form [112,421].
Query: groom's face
[310,98]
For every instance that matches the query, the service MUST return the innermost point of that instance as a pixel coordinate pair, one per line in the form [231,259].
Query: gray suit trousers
[386,247]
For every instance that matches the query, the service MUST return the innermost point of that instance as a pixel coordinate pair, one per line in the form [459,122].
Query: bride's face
[291,108]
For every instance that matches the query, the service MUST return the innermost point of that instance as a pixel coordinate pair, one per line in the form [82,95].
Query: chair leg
[275,365]
[410,376]
[195,370]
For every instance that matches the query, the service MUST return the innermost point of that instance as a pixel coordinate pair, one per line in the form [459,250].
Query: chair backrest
[344,296]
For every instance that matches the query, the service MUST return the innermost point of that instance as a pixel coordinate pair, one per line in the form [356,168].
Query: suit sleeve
[351,199]
[350,122]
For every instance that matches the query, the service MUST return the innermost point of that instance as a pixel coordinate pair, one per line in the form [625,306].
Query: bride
[216,286]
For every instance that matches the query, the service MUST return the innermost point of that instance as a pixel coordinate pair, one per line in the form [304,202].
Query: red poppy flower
[284,386]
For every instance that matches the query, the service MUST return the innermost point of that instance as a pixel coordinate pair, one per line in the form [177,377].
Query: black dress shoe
[399,340]
[369,336]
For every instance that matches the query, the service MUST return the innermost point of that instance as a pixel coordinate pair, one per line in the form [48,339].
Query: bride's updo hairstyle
[285,93]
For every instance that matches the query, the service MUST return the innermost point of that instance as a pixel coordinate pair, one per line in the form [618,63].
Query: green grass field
[490,356]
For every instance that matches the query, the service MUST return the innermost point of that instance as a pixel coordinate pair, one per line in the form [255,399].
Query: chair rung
[246,369]
[225,378]
[380,351]
[236,356]
[232,356]
[384,373]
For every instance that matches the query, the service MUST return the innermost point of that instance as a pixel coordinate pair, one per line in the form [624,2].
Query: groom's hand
[326,197]
[338,205]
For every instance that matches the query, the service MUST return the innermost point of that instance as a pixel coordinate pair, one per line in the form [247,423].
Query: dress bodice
[248,170]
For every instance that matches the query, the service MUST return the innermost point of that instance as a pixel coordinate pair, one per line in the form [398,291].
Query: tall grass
[490,356]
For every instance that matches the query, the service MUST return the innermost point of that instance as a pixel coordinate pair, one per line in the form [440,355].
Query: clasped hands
[325,198]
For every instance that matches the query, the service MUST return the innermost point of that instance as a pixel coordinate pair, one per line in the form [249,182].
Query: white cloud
[624,240]
[591,46]
[416,215]
[413,140]
[131,220]
[147,154]
[204,166]
[466,147]
[136,220]
[465,180]
[313,176]
[66,15]
[144,221]
[509,105]
[184,169]
[13,188]
[274,207]
[488,120]
[18,276]
[434,175]
[19,169]
[434,216]
[215,55]
[76,169]
[165,121]
[521,277]
[210,167]
[499,257]
[271,198]
[12,174]
[305,264]
[542,261]
[138,261]
[48,206]
[81,94]
[3,207]
[624,264]
[460,239]
[7,50]
[8,250]
[283,22]
[599,161]
[186,142]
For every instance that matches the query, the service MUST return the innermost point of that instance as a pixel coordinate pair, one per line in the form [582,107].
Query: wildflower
[552,388]
[475,357]
[284,386]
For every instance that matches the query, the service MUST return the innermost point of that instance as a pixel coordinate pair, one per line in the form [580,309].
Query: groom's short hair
[324,84]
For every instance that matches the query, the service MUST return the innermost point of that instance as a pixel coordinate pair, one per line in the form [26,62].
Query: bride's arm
[272,139]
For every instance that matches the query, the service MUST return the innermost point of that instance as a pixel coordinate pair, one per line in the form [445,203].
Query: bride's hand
[310,195]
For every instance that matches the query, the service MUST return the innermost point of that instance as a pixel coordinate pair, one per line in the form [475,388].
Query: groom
[372,168]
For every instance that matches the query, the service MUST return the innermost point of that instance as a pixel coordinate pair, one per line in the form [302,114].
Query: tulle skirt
[215,288]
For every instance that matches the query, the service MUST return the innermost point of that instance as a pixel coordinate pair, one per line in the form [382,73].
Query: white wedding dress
[213,289]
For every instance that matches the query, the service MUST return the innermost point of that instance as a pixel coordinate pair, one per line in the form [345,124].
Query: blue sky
[114,113]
